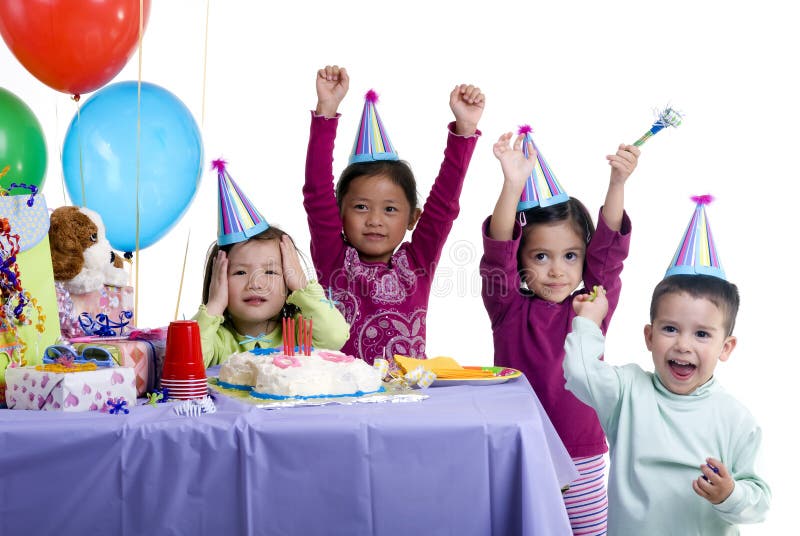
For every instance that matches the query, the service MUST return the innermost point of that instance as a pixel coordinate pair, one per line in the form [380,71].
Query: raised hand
[623,163]
[293,272]
[593,306]
[516,166]
[332,85]
[218,287]
[467,102]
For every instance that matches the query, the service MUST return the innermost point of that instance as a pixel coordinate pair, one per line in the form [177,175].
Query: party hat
[697,254]
[238,218]
[372,142]
[541,188]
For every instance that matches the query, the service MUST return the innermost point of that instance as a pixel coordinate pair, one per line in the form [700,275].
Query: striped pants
[586,499]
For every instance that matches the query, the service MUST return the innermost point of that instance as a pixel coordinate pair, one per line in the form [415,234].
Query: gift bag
[29,317]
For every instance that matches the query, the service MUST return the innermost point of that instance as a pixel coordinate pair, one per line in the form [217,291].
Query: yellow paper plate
[501,375]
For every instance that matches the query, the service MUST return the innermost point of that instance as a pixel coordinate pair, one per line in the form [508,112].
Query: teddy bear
[82,256]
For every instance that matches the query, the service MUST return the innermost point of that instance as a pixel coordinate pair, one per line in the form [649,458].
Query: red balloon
[74,46]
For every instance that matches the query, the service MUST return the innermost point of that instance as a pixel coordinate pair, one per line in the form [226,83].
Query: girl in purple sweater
[549,257]
[356,227]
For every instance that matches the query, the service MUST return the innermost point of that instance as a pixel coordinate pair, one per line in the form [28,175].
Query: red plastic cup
[183,358]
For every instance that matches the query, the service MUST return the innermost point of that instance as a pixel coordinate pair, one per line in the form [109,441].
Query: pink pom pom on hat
[697,253]
[238,218]
[372,142]
[541,188]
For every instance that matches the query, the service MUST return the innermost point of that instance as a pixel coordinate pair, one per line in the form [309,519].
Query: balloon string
[183,272]
[205,62]
[138,157]
[80,155]
[202,124]
[61,155]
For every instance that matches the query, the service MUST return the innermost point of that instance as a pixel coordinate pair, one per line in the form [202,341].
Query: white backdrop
[586,75]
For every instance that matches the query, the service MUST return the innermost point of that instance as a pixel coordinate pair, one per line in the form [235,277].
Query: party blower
[668,117]
[184,373]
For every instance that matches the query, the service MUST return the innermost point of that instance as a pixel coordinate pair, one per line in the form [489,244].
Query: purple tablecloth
[468,460]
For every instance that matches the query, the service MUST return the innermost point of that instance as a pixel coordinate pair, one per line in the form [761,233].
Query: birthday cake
[322,374]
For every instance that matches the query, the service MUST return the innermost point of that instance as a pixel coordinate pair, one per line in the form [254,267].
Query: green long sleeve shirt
[659,439]
[220,340]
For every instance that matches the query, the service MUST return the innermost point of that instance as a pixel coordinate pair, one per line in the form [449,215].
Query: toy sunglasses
[90,354]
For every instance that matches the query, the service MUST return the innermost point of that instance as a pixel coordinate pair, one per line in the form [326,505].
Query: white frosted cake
[321,375]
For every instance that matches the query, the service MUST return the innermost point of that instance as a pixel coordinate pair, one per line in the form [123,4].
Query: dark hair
[572,211]
[397,170]
[271,233]
[721,293]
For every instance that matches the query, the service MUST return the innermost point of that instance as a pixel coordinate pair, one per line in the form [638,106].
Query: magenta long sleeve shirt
[386,304]
[529,332]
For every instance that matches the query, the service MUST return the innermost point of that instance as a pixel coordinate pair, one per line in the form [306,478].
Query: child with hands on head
[254,278]
[556,250]
[674,430]
[381,283]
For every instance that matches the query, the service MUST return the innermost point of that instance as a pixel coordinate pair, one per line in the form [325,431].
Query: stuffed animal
[82,256]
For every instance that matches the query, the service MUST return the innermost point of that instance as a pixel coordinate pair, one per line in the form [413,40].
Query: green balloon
[22,145]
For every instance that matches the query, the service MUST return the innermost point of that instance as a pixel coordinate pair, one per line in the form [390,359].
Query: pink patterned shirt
[385,303]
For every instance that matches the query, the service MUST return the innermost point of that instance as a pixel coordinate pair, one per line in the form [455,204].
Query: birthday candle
[310,335]
[301,343]
[293,331]
[285,334]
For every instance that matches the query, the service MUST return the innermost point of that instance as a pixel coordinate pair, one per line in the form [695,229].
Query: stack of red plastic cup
[184,372]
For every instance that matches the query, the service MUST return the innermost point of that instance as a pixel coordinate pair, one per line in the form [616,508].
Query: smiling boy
[683,450]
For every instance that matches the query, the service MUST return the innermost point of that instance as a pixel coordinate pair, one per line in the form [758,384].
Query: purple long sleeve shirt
[386,304]
[529,332]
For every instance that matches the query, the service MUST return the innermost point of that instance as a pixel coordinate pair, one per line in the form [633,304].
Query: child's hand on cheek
[516,168]
[716,484]
[293,272]
[467,103]
[218,287]
[593,306]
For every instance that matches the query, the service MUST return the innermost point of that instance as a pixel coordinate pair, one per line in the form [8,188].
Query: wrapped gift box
[29,388]
[108,300]
[144,356]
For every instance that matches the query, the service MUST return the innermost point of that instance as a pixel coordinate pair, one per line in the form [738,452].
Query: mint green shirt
[220,340]
[658,440]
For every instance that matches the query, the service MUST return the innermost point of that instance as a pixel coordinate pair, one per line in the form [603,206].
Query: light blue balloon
[101,145]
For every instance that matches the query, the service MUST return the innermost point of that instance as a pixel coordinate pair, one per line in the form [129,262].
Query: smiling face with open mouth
[687,338]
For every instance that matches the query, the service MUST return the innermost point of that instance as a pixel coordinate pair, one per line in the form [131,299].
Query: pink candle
[301,343]
[284,335]
[310,334]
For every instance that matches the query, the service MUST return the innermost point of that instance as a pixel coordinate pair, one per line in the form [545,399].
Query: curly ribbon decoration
[104,326]
[14,299]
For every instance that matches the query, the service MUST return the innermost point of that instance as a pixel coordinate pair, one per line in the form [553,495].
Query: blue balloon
[101,147]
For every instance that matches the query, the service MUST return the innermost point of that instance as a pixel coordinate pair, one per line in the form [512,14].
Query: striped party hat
[238,218]
[372,142]
[697,254]
[541,188]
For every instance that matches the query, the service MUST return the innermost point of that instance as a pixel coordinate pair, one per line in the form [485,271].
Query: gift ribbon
[104,326]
